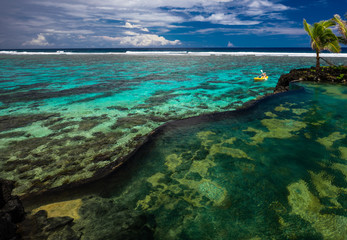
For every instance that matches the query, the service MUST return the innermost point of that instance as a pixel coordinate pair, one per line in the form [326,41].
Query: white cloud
[39,41]
[224,19]
[150,18]
[266,31]
[129,25]
[151,13]
[65,21]
[283,31]
[261,7]
[261,30]
[130,33]
[141,40]
[53,31]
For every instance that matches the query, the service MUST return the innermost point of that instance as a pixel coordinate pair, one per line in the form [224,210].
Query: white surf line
[272,54]
[184,53]
[59,53]
[156,52]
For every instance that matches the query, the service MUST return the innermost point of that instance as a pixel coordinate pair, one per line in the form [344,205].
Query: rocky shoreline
[12,211]
[323,75]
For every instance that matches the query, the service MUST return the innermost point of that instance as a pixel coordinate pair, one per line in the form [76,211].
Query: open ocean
[277,170]
[165,50]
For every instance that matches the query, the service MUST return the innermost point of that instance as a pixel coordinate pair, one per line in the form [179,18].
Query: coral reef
[329,140]
[277,128]
[308,207]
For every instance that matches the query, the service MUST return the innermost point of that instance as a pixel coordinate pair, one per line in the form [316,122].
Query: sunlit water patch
[275,171]
[65,117]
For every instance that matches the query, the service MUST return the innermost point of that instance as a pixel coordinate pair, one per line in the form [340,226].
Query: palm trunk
[317,60]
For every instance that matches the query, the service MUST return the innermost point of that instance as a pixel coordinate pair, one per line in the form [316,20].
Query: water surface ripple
[63,118]
[274,171]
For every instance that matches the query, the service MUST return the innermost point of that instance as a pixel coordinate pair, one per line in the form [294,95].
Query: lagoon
[270,171]
[275,170]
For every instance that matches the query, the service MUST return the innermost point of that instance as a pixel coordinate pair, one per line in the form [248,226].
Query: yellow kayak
[260,78]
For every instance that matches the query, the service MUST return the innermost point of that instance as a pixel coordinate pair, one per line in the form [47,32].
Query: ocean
[69,115]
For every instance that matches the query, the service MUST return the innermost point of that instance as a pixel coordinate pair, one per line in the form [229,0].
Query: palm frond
[342,40]
[310,31]
[333,46]
[342,26]
[306,26]
[322,37]
[327,23]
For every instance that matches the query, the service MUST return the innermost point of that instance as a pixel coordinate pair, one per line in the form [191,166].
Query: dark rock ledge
[323,75]
[11,211]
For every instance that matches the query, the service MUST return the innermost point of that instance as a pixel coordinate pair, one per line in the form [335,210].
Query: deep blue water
[123,50]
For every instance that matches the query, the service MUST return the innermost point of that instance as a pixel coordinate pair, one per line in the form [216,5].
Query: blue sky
[160,23]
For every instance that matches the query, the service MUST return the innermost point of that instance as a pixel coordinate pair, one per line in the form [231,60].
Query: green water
[63,118]
[274,171]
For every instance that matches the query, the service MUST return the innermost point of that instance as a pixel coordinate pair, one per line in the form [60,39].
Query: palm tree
[342,26]
[322,38]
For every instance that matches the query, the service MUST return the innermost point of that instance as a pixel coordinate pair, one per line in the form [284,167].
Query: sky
[160,23]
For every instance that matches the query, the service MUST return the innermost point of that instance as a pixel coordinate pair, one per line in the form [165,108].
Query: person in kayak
[262,75]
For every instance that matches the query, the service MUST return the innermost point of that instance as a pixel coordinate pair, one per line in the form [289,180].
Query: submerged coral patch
[204,136]
[233,152]
[277,128]
[270,114]
[212,191]
[173,161]
[9,122]
[335,92]
[299,111]
[343,151]
[281,108]
[341,167]
[326,189]
[308,207]
[329,140]
[62,209]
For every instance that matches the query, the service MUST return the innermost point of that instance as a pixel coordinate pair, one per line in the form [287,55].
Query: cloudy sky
[160,23]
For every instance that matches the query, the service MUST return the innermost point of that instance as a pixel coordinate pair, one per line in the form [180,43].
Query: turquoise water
[274,171]
[63,118]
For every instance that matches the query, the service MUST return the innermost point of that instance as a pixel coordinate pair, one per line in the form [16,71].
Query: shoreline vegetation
[322,38]
[333,75]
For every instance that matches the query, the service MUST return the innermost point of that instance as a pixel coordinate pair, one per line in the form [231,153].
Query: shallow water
[65,117]
[275,171]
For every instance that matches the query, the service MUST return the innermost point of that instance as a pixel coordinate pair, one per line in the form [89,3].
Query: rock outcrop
[96,218]
[324,74]
[39,226]
[11,211]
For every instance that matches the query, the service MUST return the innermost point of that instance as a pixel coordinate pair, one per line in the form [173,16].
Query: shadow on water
[274,170]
